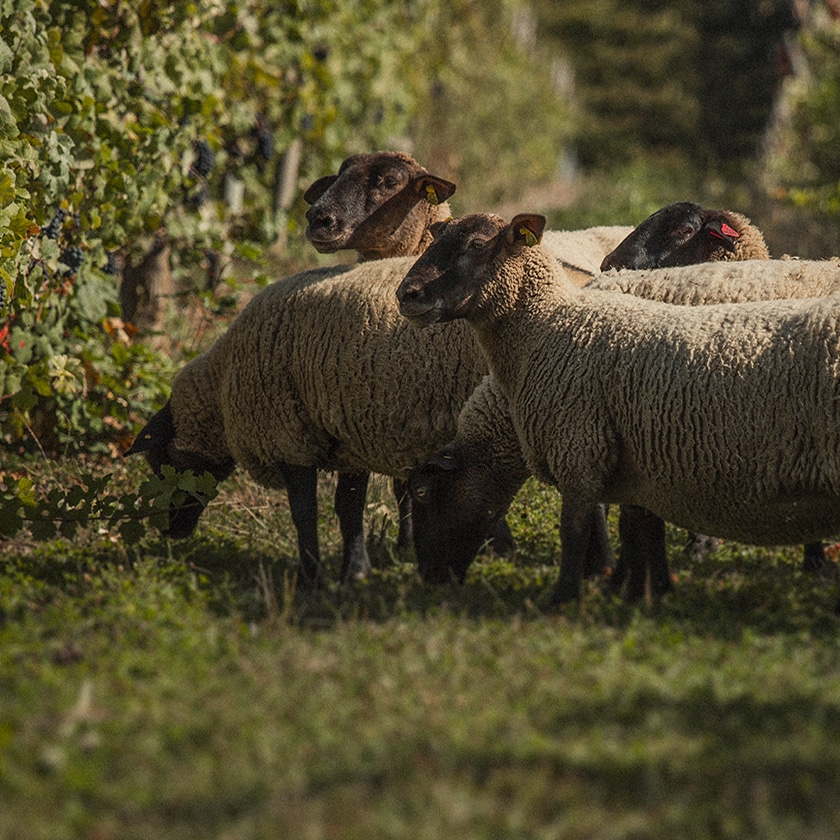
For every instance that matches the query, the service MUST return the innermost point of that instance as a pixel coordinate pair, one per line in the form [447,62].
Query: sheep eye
[420,493]
[478,243]
[683,232]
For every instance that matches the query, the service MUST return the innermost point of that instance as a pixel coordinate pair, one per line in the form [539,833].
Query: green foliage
[492,113]
[689,77]
[67,511]
[806,165]
[102,106]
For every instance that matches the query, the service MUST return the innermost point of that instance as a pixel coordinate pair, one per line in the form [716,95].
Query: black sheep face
[683,233]
[156,440]
[453,515]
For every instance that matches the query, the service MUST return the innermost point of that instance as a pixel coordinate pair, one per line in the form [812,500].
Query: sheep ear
[317,188]
[445,461]
[526,229]
[433,189]
[157,432]
[723,232]
[435,227]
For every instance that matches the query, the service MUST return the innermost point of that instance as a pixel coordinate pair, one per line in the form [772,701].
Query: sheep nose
[321,219]
[409,292]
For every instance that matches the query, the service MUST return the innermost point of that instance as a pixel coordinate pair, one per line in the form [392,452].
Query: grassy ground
[185,691]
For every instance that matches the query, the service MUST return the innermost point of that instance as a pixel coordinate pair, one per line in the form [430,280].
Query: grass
[186,690]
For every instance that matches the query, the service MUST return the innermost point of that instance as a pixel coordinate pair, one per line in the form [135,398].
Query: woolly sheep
[319,371]
[380,204]
[685,233]
[483,465]
[620,399]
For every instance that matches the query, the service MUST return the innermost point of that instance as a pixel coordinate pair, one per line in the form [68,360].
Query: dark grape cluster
[72,257]
[110,266]
[204,158]
[2,294]
[265,144]
[264,150]
[52,230]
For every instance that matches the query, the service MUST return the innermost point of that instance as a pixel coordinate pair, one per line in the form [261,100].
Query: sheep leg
[814,559]
[576,522]
[642,535]
[405,534]
[632,561]
[302,490]
[501,539]
[599,556]
[350,509]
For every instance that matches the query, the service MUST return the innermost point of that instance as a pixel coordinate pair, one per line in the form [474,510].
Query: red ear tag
[728,231]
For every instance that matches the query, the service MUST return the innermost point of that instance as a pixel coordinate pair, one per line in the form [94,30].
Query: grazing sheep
[319,371]
[619,399]
[380,205]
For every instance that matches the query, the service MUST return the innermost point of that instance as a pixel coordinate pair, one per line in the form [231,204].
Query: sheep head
[683,233]
[373,205]
[157,441]
[455,505]
[449,280]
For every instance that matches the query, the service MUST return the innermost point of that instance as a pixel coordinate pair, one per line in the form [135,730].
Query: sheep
[319,371]
[619,399]
[725,282]
[684,233]
[483,463]
[380,204]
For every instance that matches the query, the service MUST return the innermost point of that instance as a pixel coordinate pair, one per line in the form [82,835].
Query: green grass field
[185,690]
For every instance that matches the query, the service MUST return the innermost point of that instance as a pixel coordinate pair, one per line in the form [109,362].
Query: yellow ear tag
[530,239]
[431,195]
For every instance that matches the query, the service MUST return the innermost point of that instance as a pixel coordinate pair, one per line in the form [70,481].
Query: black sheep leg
[501,539]
[350,509]
[302,490]
[814,559]
[576,523]
[642,536]
[405,534]
[599,556]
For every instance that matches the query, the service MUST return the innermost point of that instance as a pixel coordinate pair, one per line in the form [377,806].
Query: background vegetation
[182,690]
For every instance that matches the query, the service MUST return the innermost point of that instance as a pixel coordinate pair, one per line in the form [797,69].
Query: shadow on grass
[735,591]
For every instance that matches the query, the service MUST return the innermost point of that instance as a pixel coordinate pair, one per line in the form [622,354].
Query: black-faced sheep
[620,399]
[381,205]
[686,233]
